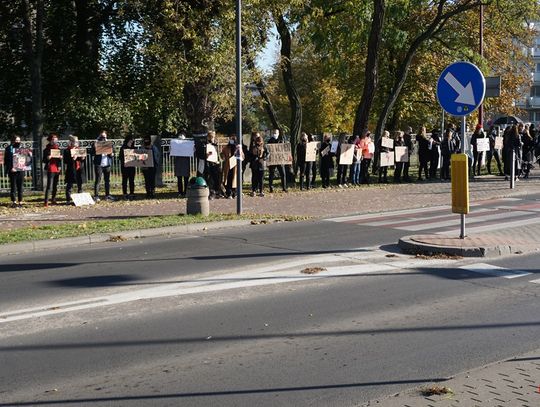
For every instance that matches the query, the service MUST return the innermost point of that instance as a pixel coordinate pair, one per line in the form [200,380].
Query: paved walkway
[314,203]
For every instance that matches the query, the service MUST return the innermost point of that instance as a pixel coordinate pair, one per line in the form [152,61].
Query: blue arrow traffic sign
[461,88]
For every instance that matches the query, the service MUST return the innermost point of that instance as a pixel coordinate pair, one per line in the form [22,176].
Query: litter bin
[197,197]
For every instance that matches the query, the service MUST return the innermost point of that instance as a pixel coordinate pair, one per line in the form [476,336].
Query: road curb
[26,247]
[408,245]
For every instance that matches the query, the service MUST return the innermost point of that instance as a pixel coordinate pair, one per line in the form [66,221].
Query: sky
[269,56]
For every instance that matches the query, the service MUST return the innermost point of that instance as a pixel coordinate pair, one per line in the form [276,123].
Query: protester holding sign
[102,168]
[383,149]
[276,138]
[228,155]
[493,150]
[435,156]
[258,154]
[399,141]
[528,151]
[313,164]
[423,143]
[128,173]
[303,166]
[368,148]
[477,154]
[53,165]
[149,173]
[182,165]
[407,137]
[74,168]
[16,178]
[448,147]
[326,160]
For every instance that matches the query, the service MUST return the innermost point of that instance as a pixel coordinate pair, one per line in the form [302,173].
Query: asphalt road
[376,324]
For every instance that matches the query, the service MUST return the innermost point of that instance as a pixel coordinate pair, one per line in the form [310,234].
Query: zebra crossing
[484,217]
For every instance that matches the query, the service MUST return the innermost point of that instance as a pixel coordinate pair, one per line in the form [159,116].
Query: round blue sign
[461,88]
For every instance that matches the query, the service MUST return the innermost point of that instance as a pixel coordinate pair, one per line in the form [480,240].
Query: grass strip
[86,228]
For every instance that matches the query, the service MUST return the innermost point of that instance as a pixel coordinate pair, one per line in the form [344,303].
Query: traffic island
[470,246]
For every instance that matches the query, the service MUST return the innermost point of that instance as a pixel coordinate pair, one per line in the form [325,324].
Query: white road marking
[535,281]
[370,260]
[495,271]
[496,226]
[392,213]
[423,220]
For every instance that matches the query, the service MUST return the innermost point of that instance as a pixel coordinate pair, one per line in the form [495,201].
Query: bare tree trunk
[286,71]
[361,119]
[33,44]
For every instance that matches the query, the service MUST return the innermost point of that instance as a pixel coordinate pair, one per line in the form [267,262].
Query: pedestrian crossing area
[484,217]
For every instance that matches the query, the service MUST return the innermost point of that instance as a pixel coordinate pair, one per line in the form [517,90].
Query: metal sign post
[239,180]
[461,89]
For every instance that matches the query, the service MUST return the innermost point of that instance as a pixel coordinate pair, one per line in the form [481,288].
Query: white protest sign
[402,154]
[182,148]
[482,144]
[82,199]
[387,142]
[387,159]
[347,153]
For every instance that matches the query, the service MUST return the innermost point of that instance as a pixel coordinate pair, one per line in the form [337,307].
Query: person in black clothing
[448,147]
[16,178]
[302,165]
[149,173]
[326,160]
[228,154]
[53,166]
[276,138]
[102,168]
[398,167]
[341,179]
[383,171]
[211,167]
[313,165]
[257,155]
[435,154]
[128,173]
[506,152]
[407,138]
[423,153]
[528,151]
[493,152]
[182,171]
[477,155]
[74,168]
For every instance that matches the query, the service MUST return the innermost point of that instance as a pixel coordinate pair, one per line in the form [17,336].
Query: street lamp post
[239,179]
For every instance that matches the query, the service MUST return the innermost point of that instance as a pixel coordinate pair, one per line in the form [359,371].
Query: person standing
[258,154]
[303,167]
[528,151]
[398,168]
[74,168]
[128,173]
[493,152]
[276,138]
[477,155]
[16,178]
[182,171]
[102,169]
[448,147]
[357,160]
[53,166]
[408,142]
[210,160]
[368,148]
[228,154]
[383,171]
[435,144]
[313,165]
[515,151]
[149,173]
[326,160]
[423,153]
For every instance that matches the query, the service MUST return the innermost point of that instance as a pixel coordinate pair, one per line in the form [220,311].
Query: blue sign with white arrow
[461,88]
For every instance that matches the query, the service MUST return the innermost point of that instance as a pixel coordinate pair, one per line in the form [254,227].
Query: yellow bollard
[460,187]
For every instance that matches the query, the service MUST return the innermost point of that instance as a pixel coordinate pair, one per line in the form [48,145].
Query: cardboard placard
[334,147]
[232,162]
[78,153]
[2,157]
[311,151]
[371,147]
[387,142]
[347,153]
[325,151]
[280,154]
[82,199]
[22,159]
[499,143]
[55,153]
[104,147]
[211,153]
[138,158]
[182,148]
[387,159]
[482,144]
[402,154]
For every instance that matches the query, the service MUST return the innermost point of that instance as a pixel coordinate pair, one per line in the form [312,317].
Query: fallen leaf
[312,270]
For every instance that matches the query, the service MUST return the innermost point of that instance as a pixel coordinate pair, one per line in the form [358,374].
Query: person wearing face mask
[228,153]
[74,168]
[16,178]
[272,168]
[102,168]
[128,173]
[302,166]
[149,173]
[182,170]
[326,160]
[258,154]
[53,165]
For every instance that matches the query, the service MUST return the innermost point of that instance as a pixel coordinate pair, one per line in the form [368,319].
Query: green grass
[116,226]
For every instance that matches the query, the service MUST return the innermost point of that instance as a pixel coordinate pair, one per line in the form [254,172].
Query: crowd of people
[514,147]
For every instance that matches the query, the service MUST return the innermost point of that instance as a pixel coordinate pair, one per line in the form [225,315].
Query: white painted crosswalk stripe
[495,271]
[497,226]
[535,281]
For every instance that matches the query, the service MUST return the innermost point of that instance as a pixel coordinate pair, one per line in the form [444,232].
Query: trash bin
[197,197]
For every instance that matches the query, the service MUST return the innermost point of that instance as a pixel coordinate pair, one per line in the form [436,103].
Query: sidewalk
[510,383]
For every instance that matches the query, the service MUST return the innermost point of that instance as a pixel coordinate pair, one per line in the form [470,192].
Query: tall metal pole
[239,179]
[481,53]
[463,135]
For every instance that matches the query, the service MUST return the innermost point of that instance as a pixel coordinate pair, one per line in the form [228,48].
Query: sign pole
[239,180]
[463,135]
[513,170]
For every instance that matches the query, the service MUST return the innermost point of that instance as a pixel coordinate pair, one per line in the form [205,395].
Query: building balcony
[532,102]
